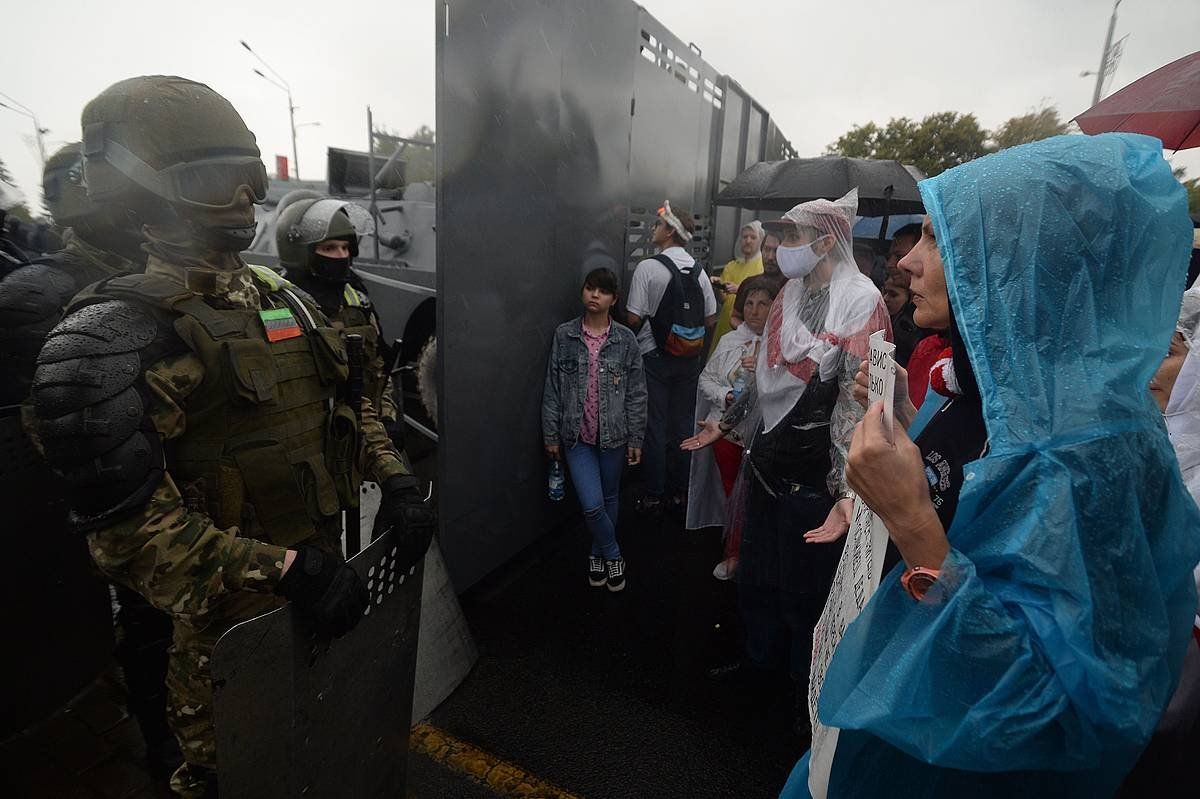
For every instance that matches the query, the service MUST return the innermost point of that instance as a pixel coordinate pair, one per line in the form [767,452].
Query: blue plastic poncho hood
[1040,663]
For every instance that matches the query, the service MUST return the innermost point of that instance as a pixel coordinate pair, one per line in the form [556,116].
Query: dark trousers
[671,400]
[783,581]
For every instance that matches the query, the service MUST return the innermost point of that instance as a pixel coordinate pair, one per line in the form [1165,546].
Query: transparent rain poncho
[820,323]
[1040,662]
[1183,409]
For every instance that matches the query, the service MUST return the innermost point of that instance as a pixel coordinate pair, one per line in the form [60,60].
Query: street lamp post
[282,84]
[38,130]
[1102,73]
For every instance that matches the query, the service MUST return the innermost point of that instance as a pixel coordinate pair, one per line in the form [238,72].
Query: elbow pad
[91,405]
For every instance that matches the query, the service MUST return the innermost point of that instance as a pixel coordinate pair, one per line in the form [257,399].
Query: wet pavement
[608,695]
[578,692]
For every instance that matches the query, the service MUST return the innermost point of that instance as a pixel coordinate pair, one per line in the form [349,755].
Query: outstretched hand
[708,434]
[836,523]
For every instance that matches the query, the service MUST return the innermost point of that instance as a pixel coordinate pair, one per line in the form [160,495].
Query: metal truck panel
[562,125]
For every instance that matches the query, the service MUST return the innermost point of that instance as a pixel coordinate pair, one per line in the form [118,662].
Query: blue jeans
[671,397]
[596,475]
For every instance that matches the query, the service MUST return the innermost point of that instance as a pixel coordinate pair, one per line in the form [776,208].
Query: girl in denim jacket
[594,416]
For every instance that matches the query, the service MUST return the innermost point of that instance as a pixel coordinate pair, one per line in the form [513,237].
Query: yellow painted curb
[459,756]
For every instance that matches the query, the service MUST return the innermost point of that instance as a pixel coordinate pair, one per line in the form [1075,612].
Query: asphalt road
[608,695]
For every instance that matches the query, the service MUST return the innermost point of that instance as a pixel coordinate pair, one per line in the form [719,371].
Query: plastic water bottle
[557,481]
[739,384]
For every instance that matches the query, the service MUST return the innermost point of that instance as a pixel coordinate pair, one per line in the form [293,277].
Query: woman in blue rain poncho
[1029,640]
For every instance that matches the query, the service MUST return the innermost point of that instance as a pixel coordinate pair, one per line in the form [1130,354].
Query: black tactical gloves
[326,590]
[413,519]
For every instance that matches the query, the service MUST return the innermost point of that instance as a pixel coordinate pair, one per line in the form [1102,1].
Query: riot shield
[300,716]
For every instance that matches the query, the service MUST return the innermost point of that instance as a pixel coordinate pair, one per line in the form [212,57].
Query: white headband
[665,215]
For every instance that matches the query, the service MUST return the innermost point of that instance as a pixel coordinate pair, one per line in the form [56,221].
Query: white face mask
[797,262]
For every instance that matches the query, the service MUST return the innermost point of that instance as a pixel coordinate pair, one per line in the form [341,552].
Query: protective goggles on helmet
[210,183]
[56,181]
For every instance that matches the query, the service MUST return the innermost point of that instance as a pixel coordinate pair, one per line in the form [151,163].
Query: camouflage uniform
[195,410]
[207,576]
[304,219]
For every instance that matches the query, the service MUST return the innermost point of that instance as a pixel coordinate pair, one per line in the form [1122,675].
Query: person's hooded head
[817,238]
[749,243]
[1067,599]
[826,305]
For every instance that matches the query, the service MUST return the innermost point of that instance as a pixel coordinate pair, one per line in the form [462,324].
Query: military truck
[562,125]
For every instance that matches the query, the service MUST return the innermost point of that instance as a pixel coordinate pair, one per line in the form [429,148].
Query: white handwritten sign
[856,579]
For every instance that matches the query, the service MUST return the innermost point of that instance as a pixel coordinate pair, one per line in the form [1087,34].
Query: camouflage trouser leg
[189,689]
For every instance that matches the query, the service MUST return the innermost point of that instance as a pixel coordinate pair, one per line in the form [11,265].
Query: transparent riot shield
[300,716]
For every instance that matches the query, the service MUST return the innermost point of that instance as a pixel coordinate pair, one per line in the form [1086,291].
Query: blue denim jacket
[620,379]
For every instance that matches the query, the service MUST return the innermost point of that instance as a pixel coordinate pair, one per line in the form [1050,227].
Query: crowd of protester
[1037,595]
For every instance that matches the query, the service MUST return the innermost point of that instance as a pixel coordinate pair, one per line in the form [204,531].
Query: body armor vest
[266,446]
[356,316]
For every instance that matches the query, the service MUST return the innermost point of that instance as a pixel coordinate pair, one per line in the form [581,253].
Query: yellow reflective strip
[269,276]
[501,776]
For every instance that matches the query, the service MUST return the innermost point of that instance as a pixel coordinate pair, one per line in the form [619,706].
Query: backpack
[678,322]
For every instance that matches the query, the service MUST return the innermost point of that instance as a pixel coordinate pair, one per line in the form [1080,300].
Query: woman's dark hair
[751,285]
[601,278]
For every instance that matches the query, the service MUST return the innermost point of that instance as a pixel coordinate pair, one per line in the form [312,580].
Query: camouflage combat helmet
[63,188]
[305,219]
[159,138]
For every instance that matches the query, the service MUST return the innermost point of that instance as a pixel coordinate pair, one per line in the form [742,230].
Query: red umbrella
[1164,104]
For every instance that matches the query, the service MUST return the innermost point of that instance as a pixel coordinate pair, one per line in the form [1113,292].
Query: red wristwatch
[917,580]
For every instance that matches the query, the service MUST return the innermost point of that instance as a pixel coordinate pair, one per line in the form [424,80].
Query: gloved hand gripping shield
[299,714]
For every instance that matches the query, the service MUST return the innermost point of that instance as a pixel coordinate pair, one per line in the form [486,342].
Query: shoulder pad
[33,293]
[106,328]
[89,399]
[143,289]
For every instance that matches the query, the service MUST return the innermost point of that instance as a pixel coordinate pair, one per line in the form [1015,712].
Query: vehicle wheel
[427,377]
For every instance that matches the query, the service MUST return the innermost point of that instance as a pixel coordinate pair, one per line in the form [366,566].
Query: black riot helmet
[306,219]
[104,224]
[167,143]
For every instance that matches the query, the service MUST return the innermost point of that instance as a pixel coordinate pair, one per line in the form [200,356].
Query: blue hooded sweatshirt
[1041,661]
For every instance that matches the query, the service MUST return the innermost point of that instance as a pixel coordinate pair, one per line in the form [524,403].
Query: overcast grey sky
[819,67]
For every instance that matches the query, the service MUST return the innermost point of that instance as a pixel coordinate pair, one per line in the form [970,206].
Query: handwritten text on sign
[856,579]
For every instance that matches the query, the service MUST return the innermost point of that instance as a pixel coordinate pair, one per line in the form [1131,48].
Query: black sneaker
[616,574]
[597,574]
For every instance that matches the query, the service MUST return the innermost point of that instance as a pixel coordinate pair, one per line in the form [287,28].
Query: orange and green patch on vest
[280,324]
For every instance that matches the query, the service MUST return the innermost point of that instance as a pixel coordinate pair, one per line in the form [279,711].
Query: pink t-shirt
[589,430]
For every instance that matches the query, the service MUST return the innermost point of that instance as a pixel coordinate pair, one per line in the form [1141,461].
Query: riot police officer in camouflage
[197,410]
[101,241]
[317,239]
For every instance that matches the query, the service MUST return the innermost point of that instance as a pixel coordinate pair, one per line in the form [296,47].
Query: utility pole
[286,87]
[38,131]
[1102,73]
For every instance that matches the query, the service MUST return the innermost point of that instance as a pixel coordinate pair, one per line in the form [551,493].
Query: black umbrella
[884,187]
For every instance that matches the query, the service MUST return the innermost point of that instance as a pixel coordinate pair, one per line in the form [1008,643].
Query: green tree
[1193,189]
[1034,126]
[5,175]
[936,143]
[419,161]
[20,211]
